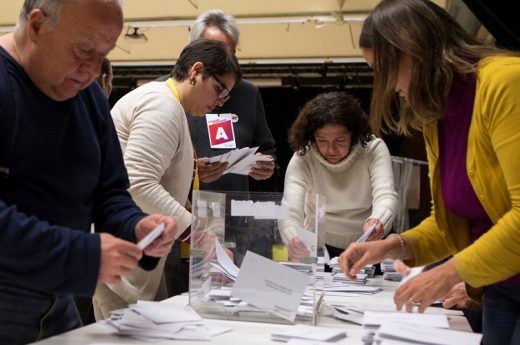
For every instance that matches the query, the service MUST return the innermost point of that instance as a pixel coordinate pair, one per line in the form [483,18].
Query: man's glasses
[222,91]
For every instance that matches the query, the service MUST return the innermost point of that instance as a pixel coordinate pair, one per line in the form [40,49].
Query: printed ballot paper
[270,286]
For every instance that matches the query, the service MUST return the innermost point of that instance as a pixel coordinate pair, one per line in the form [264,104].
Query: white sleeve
[153,140]
[384,196]
[298,179]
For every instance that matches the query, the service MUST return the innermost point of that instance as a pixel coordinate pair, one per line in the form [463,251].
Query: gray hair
[50,7]
[215,18]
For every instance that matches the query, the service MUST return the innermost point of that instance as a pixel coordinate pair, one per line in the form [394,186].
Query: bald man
[61,169]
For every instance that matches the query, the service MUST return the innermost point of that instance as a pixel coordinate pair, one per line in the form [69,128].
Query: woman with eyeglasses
[153,132]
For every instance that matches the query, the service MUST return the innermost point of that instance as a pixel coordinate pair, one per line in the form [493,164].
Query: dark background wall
[500,18]
[281,107]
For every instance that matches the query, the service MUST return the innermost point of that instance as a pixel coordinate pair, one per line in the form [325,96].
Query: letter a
[221,134]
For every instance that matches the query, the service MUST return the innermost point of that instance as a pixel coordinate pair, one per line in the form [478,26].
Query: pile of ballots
[340,285]
[413,328]
[155,321]
[304,334]
[361,277]
[389,272]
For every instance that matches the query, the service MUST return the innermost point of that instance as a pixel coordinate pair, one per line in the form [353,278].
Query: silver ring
[415,303]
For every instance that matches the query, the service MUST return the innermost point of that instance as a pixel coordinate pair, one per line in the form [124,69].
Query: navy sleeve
[52,258]
[114,210]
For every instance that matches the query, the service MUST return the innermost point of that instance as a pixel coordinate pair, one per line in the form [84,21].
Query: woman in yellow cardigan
[465,98]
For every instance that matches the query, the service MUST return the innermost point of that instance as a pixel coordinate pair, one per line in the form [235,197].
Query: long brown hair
[440,49]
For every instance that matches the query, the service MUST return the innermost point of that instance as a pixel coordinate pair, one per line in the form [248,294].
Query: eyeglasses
[221,89]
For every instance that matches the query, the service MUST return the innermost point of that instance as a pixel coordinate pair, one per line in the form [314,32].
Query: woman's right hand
[358,255]
[297,249]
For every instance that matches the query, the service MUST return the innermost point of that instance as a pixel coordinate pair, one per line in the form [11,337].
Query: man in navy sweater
[61,169]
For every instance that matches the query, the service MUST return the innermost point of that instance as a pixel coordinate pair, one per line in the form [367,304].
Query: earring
[193,81]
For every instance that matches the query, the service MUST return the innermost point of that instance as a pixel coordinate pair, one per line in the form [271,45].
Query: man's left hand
[162,244]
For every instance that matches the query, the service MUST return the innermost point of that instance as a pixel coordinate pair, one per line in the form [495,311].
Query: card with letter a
[220,131]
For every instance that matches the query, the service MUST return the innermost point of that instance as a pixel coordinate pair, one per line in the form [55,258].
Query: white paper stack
[336,273]
[398,333]
[155,321]
[389,272]
[299,266]
[343,286]
[251,287]
[345,289]
[240,160]
[223,297]
[347,313]
[361,278]
[374,320]
[305,332]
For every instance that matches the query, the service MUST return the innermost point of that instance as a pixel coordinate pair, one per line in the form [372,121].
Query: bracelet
[402,246]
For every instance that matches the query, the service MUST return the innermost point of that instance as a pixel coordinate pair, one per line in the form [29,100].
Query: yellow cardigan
[493,166]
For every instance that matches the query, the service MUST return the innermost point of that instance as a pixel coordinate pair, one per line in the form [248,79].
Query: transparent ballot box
[239,263]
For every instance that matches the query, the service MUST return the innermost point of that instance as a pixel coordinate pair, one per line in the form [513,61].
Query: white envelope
[270,286]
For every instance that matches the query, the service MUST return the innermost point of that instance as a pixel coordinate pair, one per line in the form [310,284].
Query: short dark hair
[217,60]
[331,108]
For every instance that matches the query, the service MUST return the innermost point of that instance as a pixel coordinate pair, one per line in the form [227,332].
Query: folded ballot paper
[373,322]
[224,264]
[240,160]
[305,332]
[241,301]
[401,333]
[155,321]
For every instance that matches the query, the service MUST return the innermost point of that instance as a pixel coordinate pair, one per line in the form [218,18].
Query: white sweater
[359,187]
[154,135]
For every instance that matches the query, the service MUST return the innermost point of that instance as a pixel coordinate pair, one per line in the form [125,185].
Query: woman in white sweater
[153,131]
[337,157]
